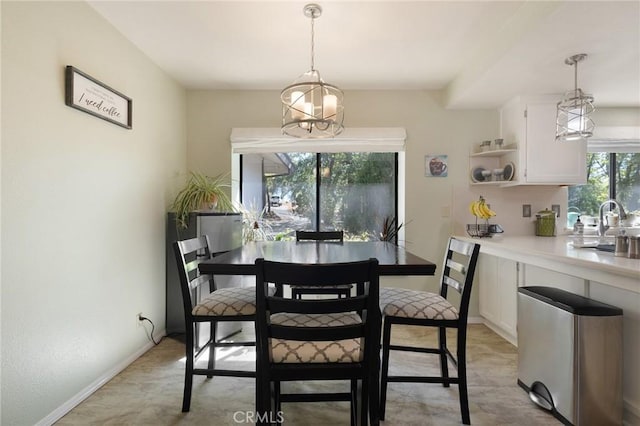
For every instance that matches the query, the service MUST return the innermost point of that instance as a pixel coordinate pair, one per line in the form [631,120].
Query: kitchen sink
[606,247]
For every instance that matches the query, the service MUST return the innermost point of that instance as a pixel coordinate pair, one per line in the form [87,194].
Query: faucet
[602,228]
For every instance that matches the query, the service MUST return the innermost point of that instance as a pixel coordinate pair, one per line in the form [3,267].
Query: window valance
[615,139]
[262,140]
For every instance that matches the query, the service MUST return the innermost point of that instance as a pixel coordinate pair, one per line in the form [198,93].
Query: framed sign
[87,94]
[436,165]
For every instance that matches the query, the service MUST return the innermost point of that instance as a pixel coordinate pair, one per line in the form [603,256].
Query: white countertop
[558,254]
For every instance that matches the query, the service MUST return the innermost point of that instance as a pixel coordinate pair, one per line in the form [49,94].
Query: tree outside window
[350,191]
[609,176]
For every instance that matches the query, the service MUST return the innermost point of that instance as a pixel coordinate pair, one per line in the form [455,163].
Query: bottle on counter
[578,231]
[578,227]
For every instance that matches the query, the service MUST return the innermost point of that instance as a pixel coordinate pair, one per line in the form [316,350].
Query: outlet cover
[526,210]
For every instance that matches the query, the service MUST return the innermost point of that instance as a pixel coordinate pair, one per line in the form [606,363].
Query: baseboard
[59,412]
[475,320]
[500,332]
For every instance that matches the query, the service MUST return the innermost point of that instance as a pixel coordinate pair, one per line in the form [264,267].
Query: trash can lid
[573,303]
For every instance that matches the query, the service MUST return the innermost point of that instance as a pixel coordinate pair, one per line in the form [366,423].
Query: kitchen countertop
[558,254]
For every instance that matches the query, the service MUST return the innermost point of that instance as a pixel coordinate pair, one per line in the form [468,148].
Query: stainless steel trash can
[570,355]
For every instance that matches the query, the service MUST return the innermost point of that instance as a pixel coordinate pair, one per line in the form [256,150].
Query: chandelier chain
[313,18]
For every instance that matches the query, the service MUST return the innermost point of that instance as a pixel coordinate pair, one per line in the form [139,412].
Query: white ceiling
[479,53]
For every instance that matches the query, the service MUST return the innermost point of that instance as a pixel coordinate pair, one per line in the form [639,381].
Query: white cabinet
[530,123]
[497,279]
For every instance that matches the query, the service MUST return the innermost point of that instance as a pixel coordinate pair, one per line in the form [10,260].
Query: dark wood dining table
[393,261]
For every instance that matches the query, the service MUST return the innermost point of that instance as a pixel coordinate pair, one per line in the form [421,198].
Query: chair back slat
[462,247]
[320,236]
[189,253]
[455,284]
[199,281]
[459,268]
[195,245]
[318,306]
[320,334]
[192,265]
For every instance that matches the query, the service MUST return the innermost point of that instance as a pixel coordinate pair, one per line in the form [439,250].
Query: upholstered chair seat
[406,303]
[229,302]
[296,351]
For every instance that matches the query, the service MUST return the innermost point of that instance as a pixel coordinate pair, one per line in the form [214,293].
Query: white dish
[509,171]
[476,174]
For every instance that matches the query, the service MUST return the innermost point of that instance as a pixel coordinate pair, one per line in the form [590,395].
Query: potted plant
[254,225]
[390,229]
[201,192]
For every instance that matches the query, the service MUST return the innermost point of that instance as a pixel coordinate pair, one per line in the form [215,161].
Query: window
[610,175]
[351,191]
[353,182]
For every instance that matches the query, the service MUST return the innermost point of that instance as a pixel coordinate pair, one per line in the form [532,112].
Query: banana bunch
[480,209]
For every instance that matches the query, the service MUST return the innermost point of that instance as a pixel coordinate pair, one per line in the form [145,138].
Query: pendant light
[312,108]
[573,121]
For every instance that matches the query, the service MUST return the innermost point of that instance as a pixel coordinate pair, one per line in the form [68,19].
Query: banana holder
[481,210]
[483,230]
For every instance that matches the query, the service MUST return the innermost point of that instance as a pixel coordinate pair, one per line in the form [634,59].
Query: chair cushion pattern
[232,301]
[295,351]
[400,302]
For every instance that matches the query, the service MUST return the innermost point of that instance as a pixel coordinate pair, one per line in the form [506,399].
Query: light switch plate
[556,209]
[526,210]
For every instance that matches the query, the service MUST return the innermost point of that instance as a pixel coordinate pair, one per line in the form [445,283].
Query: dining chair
[326,236]
[421,308]
[326,339]
[204,303]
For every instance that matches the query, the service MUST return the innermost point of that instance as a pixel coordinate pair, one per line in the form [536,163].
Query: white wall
[83,206]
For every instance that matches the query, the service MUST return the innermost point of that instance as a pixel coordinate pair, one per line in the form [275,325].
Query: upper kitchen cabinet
[530,124]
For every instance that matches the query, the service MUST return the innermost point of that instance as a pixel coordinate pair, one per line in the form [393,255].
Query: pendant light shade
[312,108]
[573,119]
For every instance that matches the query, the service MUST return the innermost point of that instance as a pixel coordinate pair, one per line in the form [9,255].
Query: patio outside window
[352,191]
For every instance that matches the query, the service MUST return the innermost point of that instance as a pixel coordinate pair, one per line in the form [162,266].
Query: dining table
[393,260]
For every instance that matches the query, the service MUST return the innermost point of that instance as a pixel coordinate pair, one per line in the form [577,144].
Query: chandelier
[312,108]
[573,121]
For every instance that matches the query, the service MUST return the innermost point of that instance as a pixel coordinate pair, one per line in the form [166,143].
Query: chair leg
[373,390]
[263,400]
[276,396]
[354,402]
[213,326]
[188,369]
[363,406]
[462,375]
[442,346]
[384,371]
